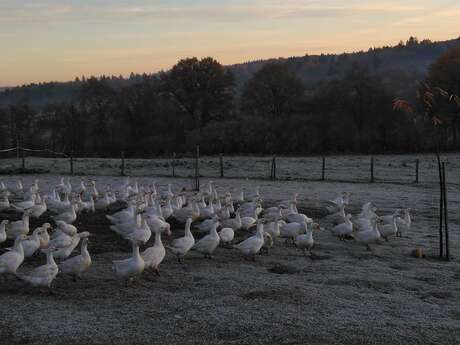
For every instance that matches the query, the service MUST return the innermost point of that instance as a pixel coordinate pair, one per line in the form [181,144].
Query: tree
[272,92]
[203,89]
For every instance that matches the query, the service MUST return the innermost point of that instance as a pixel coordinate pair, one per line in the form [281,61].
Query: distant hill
[401,66]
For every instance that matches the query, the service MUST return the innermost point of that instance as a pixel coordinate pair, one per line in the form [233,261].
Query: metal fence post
[71,163]
[122,163]
[372,169]
[417,162]
[221,162]
[323,169]
[197,168]
[23,160]
[174,164]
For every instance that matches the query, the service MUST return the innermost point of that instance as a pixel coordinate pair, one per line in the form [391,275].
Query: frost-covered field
[346,295]
[387,168]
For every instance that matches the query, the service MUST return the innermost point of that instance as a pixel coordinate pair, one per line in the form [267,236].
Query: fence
[353,168]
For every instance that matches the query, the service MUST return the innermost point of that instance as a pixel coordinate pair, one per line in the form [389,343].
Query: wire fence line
[404,169]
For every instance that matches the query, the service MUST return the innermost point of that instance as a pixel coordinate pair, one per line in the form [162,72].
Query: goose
[87,206]
[369,235]
[68,229]
[388,229]
[42,276]
[273,228]
[208,244]
[305,241]
[252,245]
[24,205]
[37,210]
[3,230]
[342,199]
[139,234]
[2,186]
[183,214]
[388,219]
[404,223]
[167,210]
[268,242]
[78,264]
[234,223]
[168,194]
[11,260]
[154,255]
[81,189]
[298,218]
[291,230]
[249,222]
[287,203]
[69,217]
[44,235]
[5,202]
[94,191]
[226,236]
[19,187]
[20,227]
[59,206]
[338,217]
[32,243]
[224,212]
[123,215]
[206,225]
[343,229]
[127,227]
[64,252]
[103,203]
[158,224]
[181,246]
[130,267]
[206,212]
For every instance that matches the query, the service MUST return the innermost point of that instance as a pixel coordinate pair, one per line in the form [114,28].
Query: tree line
[196,103]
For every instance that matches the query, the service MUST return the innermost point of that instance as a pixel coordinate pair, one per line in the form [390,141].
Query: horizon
[65,40]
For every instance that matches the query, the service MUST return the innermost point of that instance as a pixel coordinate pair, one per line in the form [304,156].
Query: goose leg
[179,260]
[368,248]
[157,271]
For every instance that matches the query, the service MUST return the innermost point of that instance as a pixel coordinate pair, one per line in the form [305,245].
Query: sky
[57,40]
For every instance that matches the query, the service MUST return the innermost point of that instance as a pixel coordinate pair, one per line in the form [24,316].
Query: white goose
[3,230]
[19,227]
[103,203]
[388,229]
[369,235]
[32,244]
[44,235]
[234,223]
[123,216]
[208,244]
[5,202]
[305,241]
[226,236]
[24,205]
[11,260]
[344,229]
[78,264]
[158,224]
[68,217]
[252,245]
[37,210]
[249,222]
[404,223]
[42,276]
[136,233]
[181,246]
[65,251]
[154,255]
[131,267]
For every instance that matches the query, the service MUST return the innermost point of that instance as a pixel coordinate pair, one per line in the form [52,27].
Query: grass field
[345,295]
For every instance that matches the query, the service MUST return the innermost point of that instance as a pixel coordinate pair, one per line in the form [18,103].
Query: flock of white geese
[213,212]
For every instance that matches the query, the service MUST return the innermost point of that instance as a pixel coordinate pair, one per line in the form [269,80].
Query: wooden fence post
[417,163]
[197,168]
[174,164]
[372,169]
[221,162]
[446,222]
[122,163]
[441,207]
[323,169]
[71,163]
